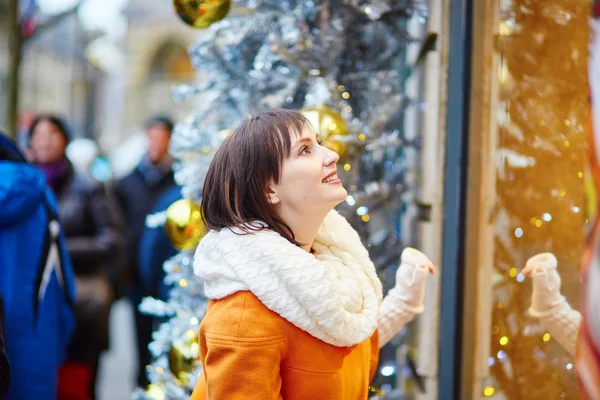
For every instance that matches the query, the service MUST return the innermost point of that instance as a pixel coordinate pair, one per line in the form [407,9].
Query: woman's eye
[304,150]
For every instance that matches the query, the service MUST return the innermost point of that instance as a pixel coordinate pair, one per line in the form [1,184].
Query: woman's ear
[272,193]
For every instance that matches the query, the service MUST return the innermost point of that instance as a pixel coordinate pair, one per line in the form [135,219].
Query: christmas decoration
[375,392]
[330,127]
[543,102]
[156,391]
[201,13]
[184,224]
[183,357]
[344,63]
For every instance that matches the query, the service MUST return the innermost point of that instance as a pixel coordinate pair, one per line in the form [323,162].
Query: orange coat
[249,352]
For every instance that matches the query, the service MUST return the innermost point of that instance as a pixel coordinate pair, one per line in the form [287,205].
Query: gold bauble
[183,358]
[156,391]
[184,224]
[329,125]
[375,391]
[201,13]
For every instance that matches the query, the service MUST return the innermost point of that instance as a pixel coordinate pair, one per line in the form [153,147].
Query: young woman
[296,308]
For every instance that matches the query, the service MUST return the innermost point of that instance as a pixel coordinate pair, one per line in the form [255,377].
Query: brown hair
[235,188]
[58,122]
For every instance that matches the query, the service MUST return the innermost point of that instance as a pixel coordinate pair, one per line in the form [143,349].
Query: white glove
[405,300]
[546,284]
[548,305]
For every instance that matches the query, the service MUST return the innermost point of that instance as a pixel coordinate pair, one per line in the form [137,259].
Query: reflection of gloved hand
[546,283]
[548,305]
[405,300]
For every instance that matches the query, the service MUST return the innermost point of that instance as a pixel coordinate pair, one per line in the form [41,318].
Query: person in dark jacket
[137,193]
[155,249]
[95,243]
[4,364]
[37,280]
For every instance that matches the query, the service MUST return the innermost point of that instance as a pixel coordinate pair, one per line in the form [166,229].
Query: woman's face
[308,177]
[47,144]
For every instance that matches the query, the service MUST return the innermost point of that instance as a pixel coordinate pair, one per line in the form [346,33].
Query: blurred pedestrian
[95,243]
[155,249]
[37,284]
[137,193]
[4,364]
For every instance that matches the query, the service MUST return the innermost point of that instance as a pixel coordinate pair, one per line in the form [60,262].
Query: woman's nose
[331,157]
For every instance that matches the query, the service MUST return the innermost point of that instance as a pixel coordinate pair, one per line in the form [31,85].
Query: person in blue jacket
[155,249]
[37,280]
[4,364]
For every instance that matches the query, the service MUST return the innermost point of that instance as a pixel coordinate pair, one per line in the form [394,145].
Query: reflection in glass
[541,117]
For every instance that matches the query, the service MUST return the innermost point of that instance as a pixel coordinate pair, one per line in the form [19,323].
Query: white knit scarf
[333,294]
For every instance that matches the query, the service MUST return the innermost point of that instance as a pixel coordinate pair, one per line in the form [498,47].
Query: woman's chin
[340,194]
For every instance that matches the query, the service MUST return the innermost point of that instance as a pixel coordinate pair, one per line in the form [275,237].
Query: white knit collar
[333,294]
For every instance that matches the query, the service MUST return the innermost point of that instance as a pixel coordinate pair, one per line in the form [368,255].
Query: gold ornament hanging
[201,13]
[375,391]
[330,126]
[156,391]
[183,358]
[184,224]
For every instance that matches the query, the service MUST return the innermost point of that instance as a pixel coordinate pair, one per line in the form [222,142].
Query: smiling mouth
[330,178]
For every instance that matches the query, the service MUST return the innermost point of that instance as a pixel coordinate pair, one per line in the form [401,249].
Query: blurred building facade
[156,58]
[110,105]
[56,77]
